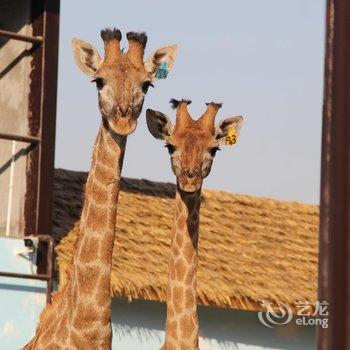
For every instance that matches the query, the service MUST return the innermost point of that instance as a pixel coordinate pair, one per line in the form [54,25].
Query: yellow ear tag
[231,138]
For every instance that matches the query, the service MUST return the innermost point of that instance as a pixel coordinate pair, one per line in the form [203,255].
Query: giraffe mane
[57,296]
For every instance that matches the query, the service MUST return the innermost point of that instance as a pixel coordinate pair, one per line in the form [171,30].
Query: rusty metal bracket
[20,37]
[20,138]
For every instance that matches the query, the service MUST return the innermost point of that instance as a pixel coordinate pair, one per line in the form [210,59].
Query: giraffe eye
[99,83]
[213,151]
[171,148]
[145,86]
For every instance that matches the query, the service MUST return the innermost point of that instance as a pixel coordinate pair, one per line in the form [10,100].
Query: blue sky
[262,59]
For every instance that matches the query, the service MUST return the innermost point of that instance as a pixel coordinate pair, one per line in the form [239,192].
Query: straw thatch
[250,248]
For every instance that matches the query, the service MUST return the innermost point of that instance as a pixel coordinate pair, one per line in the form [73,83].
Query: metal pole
[323,267]
[20,37]
[13,137]
[9,202]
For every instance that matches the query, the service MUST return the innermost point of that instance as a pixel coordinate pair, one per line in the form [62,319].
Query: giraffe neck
[90,280]
[182,320]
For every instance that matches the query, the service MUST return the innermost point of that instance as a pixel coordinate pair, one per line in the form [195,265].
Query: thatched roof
[249,248]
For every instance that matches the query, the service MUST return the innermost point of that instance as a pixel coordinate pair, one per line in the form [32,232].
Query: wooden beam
[334,268]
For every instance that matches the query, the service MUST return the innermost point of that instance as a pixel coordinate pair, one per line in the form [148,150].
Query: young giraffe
[79,316]
[192,145]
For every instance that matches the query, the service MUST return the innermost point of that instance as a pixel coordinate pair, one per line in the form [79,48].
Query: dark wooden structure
[334,267]
[35,120]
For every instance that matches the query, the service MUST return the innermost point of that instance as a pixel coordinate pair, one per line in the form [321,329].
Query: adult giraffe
[192,145]
[79,316]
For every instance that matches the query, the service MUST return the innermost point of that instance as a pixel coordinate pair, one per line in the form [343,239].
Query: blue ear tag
[162,71]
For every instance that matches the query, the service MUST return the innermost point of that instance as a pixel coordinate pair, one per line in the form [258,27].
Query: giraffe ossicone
[79,316]
[192,145]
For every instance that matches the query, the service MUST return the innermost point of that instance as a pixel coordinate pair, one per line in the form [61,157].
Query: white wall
[139,325]
[21,300]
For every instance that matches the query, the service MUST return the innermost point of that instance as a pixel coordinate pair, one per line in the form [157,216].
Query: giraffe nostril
[123,111]
[191,173]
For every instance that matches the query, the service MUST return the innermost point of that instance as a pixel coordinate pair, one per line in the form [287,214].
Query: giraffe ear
[158,124]
[161,62]
[86,57]
[222,129]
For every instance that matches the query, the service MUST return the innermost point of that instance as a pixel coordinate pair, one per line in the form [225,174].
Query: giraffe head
[192,144]
[122,79]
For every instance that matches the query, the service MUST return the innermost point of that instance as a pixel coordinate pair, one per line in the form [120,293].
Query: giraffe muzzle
[122,121]
[124,113]
[190,181]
